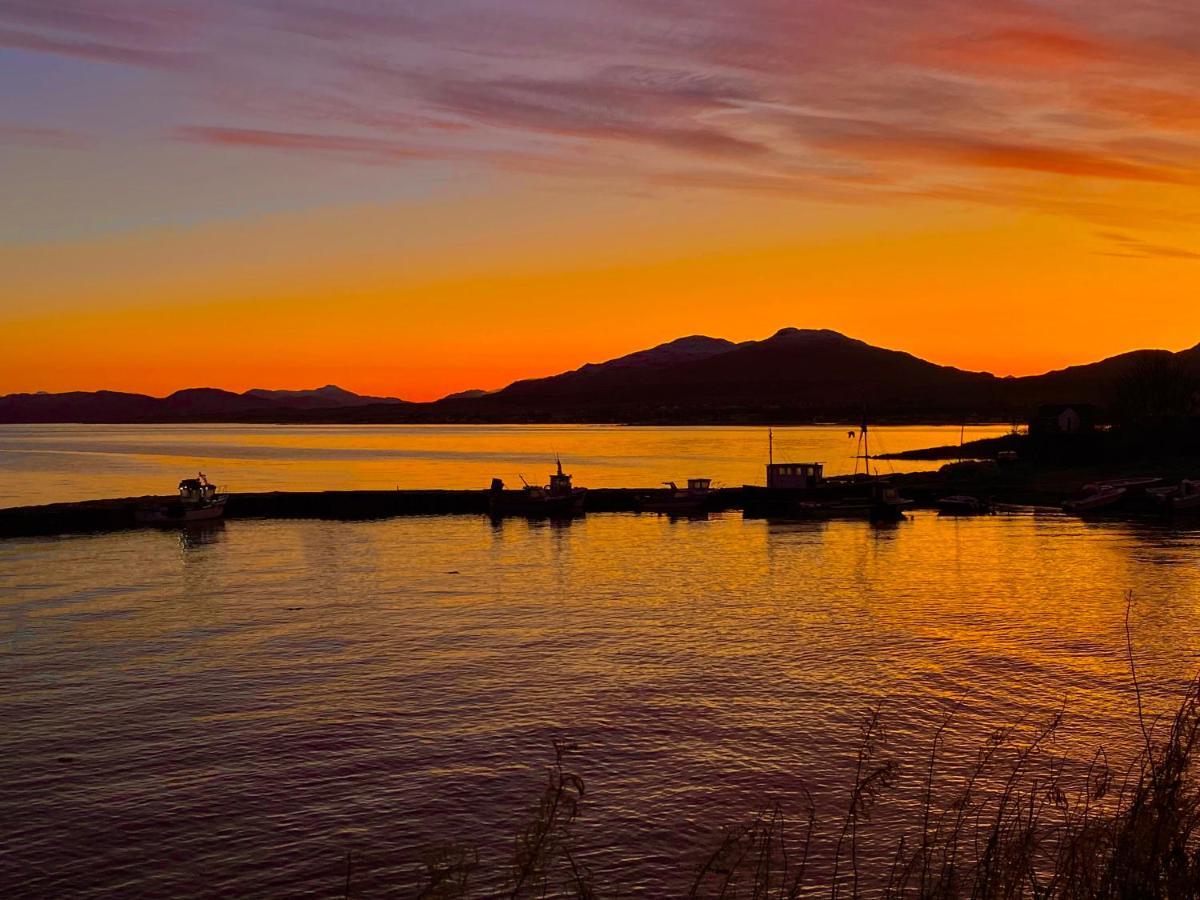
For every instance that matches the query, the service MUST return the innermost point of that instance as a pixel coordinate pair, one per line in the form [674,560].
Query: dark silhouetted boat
[1122,495]
[1186,498]
[801,491]
[678,501]
[556,500]
[1178,499]
[963,505]
[880,503]
[198,501]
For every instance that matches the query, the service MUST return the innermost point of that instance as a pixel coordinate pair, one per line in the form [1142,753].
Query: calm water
[226,713]
[44,464]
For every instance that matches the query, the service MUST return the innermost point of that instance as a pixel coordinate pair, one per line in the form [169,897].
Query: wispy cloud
[93,50]
[1037,103]
[367,147]
[121,32]
[1136,248]
[36,136]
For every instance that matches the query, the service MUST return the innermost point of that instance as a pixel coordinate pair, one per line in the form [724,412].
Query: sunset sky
[412,198]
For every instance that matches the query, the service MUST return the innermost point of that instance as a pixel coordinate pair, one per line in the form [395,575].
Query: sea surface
[51,463]
[237,710]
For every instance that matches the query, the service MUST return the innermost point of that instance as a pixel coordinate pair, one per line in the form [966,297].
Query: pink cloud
[857,99]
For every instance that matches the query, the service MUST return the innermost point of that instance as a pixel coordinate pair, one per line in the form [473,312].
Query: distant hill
[329,397]
[192,404]
[795,375]
[596,381]
[467,395]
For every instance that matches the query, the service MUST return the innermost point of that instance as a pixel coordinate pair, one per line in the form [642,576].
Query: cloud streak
[1136,248]
[1055,105]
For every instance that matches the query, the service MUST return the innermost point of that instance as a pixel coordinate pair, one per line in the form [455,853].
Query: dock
[118,514]
[1021,486]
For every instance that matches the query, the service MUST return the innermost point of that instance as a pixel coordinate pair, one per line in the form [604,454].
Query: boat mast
[866,446]
[770,446]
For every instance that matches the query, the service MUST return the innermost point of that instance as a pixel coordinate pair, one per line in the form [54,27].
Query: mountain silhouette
[793,375]
[328,397]
[593,380]
[191,404]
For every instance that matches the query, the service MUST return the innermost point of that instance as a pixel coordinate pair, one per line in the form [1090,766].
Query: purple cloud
[854,99]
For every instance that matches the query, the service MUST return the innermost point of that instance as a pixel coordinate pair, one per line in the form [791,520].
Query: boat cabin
[795,476]
[560,484]
[694,486]
[197,490]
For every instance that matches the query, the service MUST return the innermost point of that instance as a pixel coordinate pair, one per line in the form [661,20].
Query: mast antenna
[866,445]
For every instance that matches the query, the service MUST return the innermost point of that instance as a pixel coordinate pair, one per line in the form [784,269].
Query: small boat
[556,500]
[801,490]
[198,501]
[1128,495]
[678,501]
[963,505]
[1184,499]
[1140,483]
[886,504]
[1099,500]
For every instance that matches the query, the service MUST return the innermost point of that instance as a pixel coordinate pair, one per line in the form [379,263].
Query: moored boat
[1144,482]
[1137,496]
[881,503]
[198,501]
[801,491]
[963,505]
[1104,499]
[1183,499]
[676,500]
[558,499]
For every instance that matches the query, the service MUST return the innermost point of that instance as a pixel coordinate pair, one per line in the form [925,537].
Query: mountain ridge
[795,374]
[186,404]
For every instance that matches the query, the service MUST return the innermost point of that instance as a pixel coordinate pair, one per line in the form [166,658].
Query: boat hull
[673,506]
[1185,506]
[1096,503]
[963,506]
[173,514]
[515,504]
[864,510]
[784,505]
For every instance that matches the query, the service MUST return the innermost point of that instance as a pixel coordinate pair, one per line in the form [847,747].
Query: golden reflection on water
[51,463]
[400,681]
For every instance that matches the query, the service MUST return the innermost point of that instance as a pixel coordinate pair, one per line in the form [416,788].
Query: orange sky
[390,198]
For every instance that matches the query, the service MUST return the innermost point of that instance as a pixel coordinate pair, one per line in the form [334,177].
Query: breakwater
[116,514]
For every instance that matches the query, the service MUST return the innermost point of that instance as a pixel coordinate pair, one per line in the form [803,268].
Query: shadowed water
[228,712]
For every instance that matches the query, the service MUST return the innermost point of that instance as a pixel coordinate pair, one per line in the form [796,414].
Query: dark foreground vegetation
[1022,821]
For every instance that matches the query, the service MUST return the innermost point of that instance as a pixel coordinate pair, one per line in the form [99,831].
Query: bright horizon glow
[411,200]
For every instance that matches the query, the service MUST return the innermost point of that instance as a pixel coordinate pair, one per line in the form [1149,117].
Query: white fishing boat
[198,501]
